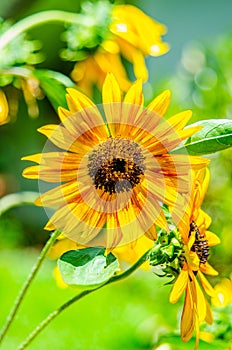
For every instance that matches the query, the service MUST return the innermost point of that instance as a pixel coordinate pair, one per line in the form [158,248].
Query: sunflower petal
[208,269]
[160,104]
[179,286]
[206,285]
[212,239]
[188,319]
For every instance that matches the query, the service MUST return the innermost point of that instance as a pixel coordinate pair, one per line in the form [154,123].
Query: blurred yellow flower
[4,110]
[106,193]
[223,293]
[197,241]
[131,34]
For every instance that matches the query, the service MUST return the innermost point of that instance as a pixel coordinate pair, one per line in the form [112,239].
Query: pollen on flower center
[200,245]
[116,165]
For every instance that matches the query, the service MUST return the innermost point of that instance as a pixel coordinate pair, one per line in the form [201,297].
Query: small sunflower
[194,262]
[105,34]
[4,110]
[112,168]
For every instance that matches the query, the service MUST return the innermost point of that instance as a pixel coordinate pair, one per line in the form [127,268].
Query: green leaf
[216,135]
[88,267]
[54,86]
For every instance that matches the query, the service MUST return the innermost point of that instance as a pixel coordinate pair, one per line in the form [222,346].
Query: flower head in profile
[106,33]
[194,262]
[112,168]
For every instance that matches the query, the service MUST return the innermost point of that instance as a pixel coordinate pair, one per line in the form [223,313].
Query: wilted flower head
[103,35]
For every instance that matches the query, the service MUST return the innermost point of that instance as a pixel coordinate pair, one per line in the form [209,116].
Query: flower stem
[26,285]
[36,19]
[79,296]
[16,199]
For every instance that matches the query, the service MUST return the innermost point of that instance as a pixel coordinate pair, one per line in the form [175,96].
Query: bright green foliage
[20,51]
[89,31]
[87,268]
[54,85]
[216,135]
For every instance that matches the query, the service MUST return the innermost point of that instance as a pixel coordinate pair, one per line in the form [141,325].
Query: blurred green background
[133,313]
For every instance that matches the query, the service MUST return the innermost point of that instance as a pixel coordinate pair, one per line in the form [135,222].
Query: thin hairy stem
[28,282]
[79,296]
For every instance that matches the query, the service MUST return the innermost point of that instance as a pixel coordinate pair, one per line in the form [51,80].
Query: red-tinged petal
[179,121]
[160,104]
[188,319]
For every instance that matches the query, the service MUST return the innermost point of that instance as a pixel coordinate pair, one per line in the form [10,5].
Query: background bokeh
[132,314]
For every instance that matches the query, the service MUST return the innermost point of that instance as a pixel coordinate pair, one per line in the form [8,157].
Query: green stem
[77,297]
[36,19]
[26,285]
[17,199]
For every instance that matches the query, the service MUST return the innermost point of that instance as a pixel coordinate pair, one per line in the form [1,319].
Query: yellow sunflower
[112,168]
[4,110]
[197,240]
[130,34]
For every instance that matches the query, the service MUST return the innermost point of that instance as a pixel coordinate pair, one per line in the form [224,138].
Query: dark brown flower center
[200,245]
[116,165]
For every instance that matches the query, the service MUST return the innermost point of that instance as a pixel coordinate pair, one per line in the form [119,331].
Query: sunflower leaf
[87,268]
[54,86]
[216,135]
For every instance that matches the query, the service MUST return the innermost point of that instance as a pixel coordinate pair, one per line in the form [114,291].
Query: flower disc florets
[116,165]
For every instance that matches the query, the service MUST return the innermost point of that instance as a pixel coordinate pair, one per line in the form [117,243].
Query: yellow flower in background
[128,33]
[223,292]
[4,110]
[194,259]
[114,169]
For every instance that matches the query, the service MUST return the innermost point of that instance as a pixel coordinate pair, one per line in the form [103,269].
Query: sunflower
[3,108]
[197,240]
[124,31]
[112,168]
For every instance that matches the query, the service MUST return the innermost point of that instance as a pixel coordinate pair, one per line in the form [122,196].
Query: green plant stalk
[27,284]
[16,199]
[79,296]
[36,19]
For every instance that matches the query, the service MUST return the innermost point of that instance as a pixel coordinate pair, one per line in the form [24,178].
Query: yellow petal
[209,314]
[200,299]
[212,239]
[188,318]
[4,109]
[178,121]
[179,286]
[160,104]
[134,95]
[63,113]
[111,98]
[187,132]
[110,90]
[77,101]
[208,269]
[206,285]
[36,158]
